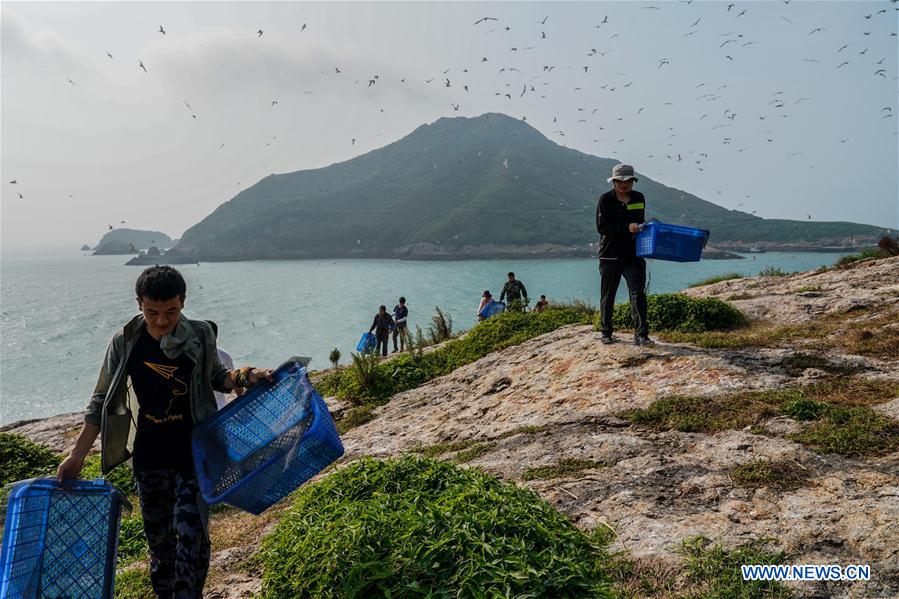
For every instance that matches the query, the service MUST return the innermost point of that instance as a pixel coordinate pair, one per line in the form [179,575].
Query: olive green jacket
[113,406]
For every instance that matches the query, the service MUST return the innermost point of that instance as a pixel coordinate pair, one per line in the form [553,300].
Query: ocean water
[58,312]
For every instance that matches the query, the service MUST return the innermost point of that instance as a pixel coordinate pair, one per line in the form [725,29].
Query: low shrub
[716,279]
[21,459]
[679,312]
[418,527]
[772,271]
[763,473]
[865,254]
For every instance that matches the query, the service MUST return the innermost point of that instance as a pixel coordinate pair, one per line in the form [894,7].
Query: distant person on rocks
[514,290]
[541,305]
[400,315]
[381,325]
[156,384]
[619,216]
[486,298]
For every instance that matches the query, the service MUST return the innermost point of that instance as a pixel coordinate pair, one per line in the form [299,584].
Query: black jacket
[612,220]
[381,324]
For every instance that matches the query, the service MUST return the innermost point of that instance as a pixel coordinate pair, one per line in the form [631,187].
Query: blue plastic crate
[367,343]
[60,539]
[671,242]
[490,308]
[265,444]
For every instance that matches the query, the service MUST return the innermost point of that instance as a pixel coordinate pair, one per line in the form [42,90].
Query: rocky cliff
[555,414]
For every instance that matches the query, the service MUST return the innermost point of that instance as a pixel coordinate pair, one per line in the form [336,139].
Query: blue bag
[490,308]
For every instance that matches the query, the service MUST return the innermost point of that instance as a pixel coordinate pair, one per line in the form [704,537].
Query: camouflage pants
[176,521]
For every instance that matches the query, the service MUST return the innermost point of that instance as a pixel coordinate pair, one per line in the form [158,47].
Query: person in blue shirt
[400,316]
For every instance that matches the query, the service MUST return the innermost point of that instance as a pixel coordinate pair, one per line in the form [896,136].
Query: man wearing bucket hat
[619,215]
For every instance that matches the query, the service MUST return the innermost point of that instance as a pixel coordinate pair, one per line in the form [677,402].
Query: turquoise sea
[58,311]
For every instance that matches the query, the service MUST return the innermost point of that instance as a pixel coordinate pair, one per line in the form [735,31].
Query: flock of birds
[539,82]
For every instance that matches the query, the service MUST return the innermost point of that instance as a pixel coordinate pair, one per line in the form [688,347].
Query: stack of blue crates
[60,539]
[671,242]
[266,443]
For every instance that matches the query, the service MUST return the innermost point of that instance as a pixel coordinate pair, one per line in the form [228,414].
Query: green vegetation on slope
[452,185]
[417,527]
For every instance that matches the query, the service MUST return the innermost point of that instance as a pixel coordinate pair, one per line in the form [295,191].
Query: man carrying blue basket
[156,383]
[619,214]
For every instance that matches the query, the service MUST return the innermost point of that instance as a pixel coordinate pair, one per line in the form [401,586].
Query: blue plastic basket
[671,242]
[266,443]
[60,539]
[367,343]
[490,308]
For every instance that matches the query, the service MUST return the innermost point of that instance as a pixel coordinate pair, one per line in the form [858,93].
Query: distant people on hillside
[381,326]
[515,292]
[223,399]
[619,215]
[400,315]
[541,305]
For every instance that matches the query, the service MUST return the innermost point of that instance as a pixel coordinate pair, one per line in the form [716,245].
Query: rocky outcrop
[562,395]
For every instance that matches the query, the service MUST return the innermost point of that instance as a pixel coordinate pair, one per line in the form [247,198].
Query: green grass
[133,583]
[808,288]
[417,527]
[764,473]
[473,452]
[717,570]
[354,417]
[716,279]
[21,459]
[132,541]
[837,413]
[466,450]
[852,431]
[566,467]
[740,296]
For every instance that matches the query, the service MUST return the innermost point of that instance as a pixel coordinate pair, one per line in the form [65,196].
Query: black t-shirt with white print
[164,424]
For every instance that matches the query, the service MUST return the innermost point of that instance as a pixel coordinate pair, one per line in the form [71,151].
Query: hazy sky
[747,105]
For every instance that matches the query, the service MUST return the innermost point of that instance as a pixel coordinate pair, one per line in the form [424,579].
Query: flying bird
[663,62]
[696,22]
[842,64]
[816,29]
[141,65]
[13,182]
[482,19]
[543,22]
[21,197]
[108,54]
[543,35]
[161,30]
[274,102]
[70,81]
[303,27]
[259,33]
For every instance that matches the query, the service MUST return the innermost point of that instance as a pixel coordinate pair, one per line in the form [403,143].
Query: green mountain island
[130,241]
[484,187]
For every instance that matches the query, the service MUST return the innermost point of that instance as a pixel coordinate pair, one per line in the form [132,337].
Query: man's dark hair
[160,283]
[511,274]
[382,307]
[402,300]
[542,297]
[215,327]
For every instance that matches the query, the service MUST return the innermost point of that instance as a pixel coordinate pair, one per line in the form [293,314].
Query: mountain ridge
[482,187]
